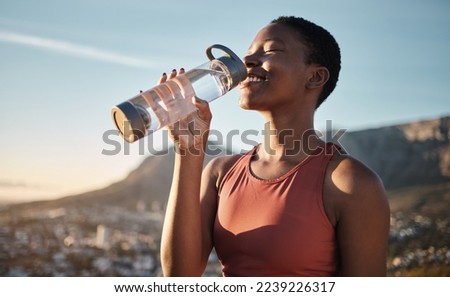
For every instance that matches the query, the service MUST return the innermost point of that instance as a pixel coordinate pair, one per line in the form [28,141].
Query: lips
[253,78]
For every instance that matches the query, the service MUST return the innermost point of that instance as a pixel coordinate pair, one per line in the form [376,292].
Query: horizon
[166,150]
[64,65]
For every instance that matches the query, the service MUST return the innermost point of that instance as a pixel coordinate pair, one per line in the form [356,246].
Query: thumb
[204,111]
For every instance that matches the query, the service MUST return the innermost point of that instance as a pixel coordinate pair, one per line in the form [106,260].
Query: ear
[319,77]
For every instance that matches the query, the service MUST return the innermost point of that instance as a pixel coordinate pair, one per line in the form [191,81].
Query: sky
[64,64]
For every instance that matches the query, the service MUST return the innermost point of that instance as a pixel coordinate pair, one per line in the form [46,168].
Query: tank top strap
[331,148]
[328,152]
[239,164]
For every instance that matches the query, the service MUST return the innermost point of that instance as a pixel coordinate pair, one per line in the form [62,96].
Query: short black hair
[323,49]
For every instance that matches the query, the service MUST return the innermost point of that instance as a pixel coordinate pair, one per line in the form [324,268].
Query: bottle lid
[234,65]
[128,121]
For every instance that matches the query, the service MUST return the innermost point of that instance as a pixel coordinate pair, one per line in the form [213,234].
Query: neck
[288,137]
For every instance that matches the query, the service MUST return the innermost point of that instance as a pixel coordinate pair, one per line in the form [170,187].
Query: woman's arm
[186,241]
[362,219]
[186,238]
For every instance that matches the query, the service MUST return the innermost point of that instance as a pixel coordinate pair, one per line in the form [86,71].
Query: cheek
[295,78]
[286,70]
[289,82]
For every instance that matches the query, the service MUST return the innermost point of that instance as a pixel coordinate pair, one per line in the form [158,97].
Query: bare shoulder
[219,166]
[352,186]
[351,175]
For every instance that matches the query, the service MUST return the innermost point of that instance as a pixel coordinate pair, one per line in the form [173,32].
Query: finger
[181,71]
[203,108]
[163,78]
[173,73]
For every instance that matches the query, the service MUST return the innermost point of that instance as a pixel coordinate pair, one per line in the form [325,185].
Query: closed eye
[272,50]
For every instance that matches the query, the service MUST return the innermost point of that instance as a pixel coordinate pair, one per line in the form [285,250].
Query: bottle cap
[234,65]
[129,121]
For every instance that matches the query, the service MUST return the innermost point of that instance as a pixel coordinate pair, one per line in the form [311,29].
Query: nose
[251,60]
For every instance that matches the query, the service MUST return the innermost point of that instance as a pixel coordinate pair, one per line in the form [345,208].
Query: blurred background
[76,200]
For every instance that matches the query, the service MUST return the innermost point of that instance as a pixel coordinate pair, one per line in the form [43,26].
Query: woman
[292,206]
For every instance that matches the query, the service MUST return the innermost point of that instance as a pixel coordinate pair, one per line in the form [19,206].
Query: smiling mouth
[251,78]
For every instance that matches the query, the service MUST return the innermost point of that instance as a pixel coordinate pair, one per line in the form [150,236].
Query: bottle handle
[223,48]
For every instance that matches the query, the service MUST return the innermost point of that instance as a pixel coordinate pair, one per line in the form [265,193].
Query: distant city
[405,229]
[114,241]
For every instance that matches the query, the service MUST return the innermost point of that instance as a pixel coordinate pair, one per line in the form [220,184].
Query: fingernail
[174,70]
[181,69]
[164,74]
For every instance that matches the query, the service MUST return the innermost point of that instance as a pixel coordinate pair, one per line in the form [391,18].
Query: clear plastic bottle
[171,101]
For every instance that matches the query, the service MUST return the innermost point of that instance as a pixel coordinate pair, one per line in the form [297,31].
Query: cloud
[16,184]
[73,49]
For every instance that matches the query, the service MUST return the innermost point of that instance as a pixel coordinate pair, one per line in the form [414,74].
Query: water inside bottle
[208,84]
[171,101]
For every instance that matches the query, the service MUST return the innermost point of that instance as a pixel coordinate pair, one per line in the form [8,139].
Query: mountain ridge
[387,150]
[416,153]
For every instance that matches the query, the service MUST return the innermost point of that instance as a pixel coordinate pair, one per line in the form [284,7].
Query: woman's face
[277,71]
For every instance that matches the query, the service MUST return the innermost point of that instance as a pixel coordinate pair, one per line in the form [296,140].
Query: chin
[246,100]
[245,104]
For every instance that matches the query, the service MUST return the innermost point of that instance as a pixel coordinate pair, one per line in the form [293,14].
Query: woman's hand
[192,132]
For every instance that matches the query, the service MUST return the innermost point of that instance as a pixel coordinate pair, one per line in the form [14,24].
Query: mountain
[405,155]
[148,185]
[413,154]
[115,231]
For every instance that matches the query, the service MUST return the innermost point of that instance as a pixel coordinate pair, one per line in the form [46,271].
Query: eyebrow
[275,39]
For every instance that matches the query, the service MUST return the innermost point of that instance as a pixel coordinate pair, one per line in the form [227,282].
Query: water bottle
[171,101]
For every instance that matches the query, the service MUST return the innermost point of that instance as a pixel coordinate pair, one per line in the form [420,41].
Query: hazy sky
[64,64]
